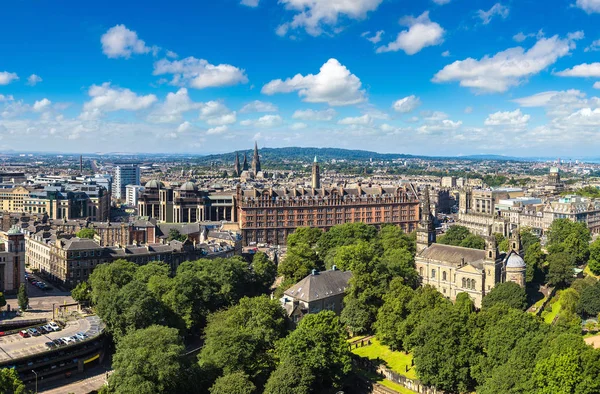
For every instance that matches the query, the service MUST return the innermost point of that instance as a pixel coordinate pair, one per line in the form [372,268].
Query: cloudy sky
[440,77]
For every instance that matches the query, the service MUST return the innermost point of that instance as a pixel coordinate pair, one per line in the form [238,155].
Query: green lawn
[549,316]
[356,338]
[587,272]
[396,361]
[384,382]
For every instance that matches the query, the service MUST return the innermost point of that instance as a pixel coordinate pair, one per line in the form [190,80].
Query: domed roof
[188,187]
[515,261]
[154,184]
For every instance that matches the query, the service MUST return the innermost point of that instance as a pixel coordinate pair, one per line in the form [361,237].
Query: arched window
[421,271]
[433,274]
[464,283]
[444,277]
[473,284]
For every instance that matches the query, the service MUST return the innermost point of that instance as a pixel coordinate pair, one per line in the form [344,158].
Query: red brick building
[270,215]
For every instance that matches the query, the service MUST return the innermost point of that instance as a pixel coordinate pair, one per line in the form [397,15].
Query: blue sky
[439,77]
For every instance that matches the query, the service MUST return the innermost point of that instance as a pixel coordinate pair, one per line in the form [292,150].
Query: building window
[421,271]
[464,283]
[433,273]
[444,276]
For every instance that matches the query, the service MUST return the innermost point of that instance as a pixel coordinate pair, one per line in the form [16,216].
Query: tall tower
[245,165]
[426,230]
[316,176]
[255,160]
[236,165]
[81,164]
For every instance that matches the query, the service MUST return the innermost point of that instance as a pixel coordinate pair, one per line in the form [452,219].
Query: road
[88,381]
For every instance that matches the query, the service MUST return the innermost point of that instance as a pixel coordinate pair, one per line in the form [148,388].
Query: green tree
[393,238]
[569,237]
[558,374]
[108,278]
[356,316]
[454,236]
[560,269]
[22,297]
[594,261]
[393,313]
[300,260]
[318,344]
[291,377]
[473,241]
[534,259]
[401,263]
[86,233]
[233,383]
[509,293]
[10,383]
[527,238]
[82,293]
[304,235]
[144,272]
[148,361]
[569,300]
[589,302]
[176,235]
[264,271]
[242,338]
[345,234]
[190,297]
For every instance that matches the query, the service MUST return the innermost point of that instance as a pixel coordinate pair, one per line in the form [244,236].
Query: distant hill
[305,154]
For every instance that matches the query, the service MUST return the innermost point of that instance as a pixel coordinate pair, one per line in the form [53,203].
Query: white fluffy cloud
[589,6]
[215,113]
[406,104]
[6,98]
[298,126]
[582,70]
[119,41]
[421,33]
[315,16]
[6,77]
[41,105]
[497,9]
[507,68]
[217,130]
[596,85]
[515,119]
[259,106]
[441,2]
[312,115]
[559,103]
[173,108]
[437,122]
[33,80]
[183,127]
[199,73]
[375,38]
[264,121]
[106,98]
[358,120]
[334,85]
[250,3]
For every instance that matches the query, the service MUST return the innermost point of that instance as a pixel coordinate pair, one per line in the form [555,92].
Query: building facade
[12,260]
[270,215]
[125,174]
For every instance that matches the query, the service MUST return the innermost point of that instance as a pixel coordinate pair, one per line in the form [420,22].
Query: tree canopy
[460,236]
[86,233]
[509,293]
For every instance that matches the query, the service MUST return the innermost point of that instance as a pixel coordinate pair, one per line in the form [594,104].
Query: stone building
[269,215]
[12,260]
[454,269]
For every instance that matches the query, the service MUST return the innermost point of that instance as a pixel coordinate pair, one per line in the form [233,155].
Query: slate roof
[80,244]
[320,285]
[452,254]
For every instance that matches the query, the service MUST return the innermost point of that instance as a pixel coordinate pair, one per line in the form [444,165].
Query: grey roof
[515,261]
[184,228]
[320,285]
[80,244]
[452,254]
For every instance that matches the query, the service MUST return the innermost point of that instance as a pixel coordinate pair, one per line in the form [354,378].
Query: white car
[54,326]
[68,340]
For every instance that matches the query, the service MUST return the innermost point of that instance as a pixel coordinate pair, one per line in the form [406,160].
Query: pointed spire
[426,205]
[315,159]
[256,160]
[245,165]
[236,164]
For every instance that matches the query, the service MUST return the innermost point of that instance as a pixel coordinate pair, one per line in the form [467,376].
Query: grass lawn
[587,272]
[396,361]
[549,316]
[356,338]
[384,382]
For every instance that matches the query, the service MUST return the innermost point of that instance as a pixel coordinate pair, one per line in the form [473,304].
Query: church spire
[256,160]
[236,165]
[245,165]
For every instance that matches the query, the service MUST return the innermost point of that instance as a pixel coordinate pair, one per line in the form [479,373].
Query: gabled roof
[452,254]
[320,285]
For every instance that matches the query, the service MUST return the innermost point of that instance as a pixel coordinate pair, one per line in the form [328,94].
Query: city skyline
[437,78]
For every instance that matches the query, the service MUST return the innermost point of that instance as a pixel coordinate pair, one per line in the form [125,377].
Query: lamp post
[35,380]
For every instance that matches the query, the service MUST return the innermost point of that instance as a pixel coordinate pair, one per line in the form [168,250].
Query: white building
[125,174]
[132,192]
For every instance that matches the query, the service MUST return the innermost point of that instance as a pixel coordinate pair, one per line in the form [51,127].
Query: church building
[454,269]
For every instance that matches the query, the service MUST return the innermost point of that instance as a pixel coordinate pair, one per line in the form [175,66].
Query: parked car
[24,334]
[81,336]
[55,327]
[51,345]
[34,332]
[58,342]
[42,330]
[67,340]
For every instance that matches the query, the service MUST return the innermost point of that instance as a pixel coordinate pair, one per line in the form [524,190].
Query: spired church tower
[256,160]
[236,165]
[515,268]
[426,230]
[245,165]
[316,176]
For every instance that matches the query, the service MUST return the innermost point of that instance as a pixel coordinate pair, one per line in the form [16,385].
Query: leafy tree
[454,236]
[355,256]
[190,297]
[144,272]
[356,315]
[473,241]
[291,377]
[509,293]
[82,293]
[176,235]
[345,234]
[393,238]
[425,299]
[10,382]
[558,374]
[401,263]
[569,300]
[569,237]
[264,271]
[319,345]
[242,338]
[22,297]
[393,313]
[304,235]
[86,233]
[534,259]
[527,238]
[560,269]
[594,261]
[148,361]
[589,303]
[231,278]
[108,278]
[233,383]
[300,260]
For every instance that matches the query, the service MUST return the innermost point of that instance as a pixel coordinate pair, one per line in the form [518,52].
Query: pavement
[594,341]
[86,382]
